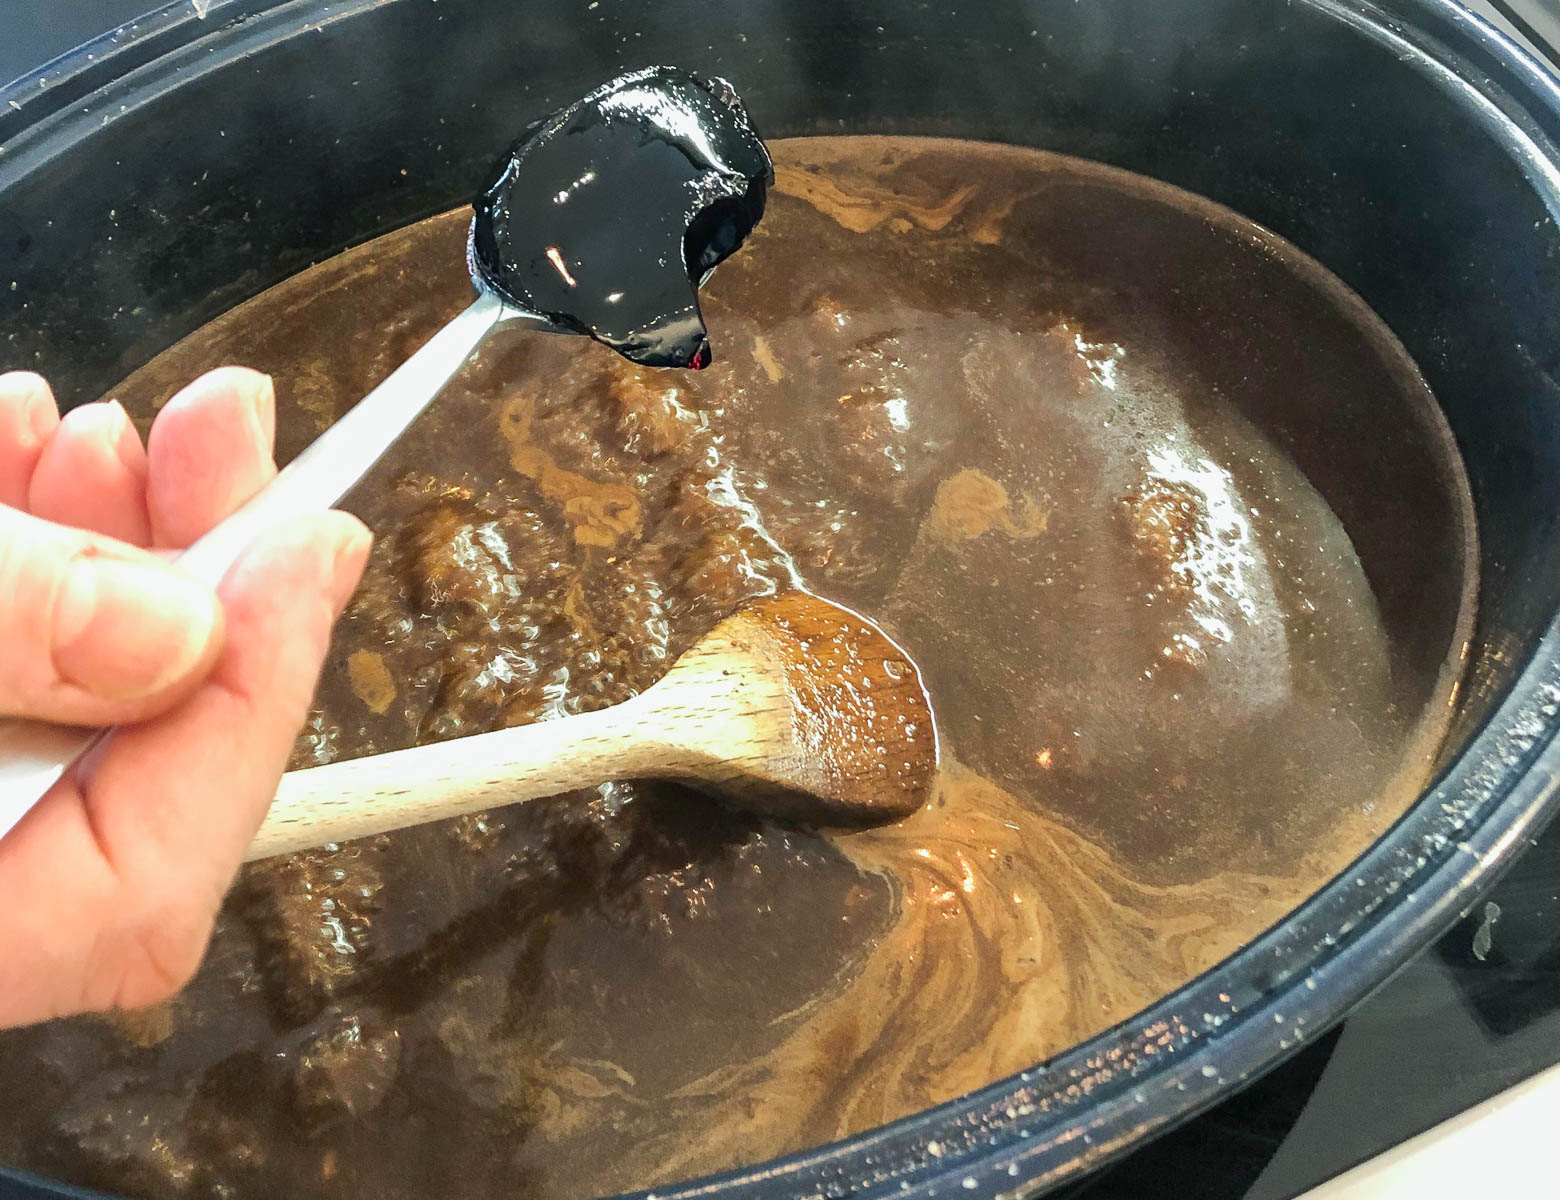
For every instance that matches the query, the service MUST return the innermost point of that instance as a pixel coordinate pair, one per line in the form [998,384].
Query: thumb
[94,631]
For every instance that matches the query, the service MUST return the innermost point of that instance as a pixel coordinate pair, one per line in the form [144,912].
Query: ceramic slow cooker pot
[160,175]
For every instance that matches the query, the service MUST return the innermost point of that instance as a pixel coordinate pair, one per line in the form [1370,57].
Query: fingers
[160,821]
[28,418]
[96,632]
[92,475]
[209,451]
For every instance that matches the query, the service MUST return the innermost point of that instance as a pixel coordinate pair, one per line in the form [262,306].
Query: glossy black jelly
[606,215]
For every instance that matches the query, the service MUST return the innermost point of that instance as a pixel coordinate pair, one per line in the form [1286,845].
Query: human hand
[110,885]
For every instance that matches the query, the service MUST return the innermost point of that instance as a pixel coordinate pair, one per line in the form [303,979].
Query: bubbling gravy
[966,390]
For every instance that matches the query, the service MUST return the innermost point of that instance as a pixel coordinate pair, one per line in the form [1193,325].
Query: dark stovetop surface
[1472,1016]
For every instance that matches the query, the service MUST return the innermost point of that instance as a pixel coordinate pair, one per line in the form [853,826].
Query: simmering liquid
[953,393]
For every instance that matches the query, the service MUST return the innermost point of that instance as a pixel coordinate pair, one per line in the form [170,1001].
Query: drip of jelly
[606,215]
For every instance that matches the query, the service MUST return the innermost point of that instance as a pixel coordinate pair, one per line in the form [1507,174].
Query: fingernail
[109,425]
[119,432]
[351,559]
[39,412]
[43,415]
[125,629]
[261,395]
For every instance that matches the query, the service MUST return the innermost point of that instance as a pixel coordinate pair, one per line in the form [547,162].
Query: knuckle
[32,574]
[149,957]
[34,559]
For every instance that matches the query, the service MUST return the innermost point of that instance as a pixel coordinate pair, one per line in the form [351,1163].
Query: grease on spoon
[607,215]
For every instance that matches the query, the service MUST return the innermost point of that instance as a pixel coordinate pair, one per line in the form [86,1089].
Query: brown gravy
[944,396]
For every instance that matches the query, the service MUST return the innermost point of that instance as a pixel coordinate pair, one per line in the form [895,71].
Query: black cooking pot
[162,174]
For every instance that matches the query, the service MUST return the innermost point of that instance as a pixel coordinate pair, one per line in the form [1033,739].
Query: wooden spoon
[794,707]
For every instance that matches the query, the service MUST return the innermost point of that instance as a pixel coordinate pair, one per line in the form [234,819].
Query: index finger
[209,451]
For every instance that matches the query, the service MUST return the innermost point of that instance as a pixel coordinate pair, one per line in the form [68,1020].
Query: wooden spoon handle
[370,795]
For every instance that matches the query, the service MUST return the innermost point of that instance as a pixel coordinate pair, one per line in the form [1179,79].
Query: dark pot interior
[155,179]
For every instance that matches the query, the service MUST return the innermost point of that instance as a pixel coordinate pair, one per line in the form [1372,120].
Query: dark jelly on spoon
[607,215]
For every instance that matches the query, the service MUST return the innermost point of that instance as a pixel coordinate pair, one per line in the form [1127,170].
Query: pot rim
[1022,1134]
